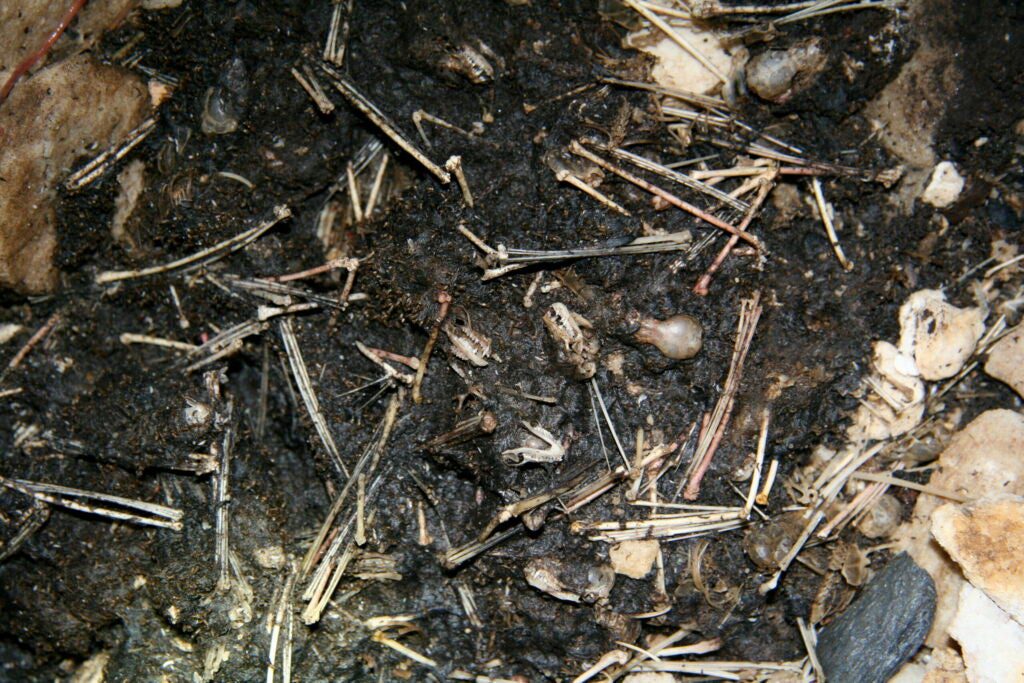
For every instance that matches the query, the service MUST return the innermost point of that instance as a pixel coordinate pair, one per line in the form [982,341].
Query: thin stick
[353,193]
[923,488]
[676,177]
[301,375]
[810,639]
[223,517]
[755,478]
[445,300]
[564,175]
[826,218]
[378,182]
[767,183]
[375,447]
[750,313]
[159,515]
[675,93]
[99,165]
[762,496]
[676,38]
[608,421]
[204,257]
[283,607]
[370,110]
[313,88]
[379,637]
[131,338]
[333,264]
[34,340]
[576,148]
[454,164]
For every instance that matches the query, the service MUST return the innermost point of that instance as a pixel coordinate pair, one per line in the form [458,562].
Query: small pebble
[883,628]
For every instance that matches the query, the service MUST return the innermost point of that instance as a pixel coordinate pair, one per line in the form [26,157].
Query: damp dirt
[97,414]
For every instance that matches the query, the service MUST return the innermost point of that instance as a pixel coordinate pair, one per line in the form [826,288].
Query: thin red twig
[34,340]
[749,315]
[704,282]
[445,299]
[31,60]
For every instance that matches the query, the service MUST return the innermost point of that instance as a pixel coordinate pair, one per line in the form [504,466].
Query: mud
[110,417]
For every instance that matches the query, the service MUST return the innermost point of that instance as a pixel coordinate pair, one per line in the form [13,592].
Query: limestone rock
[1006,359]
[59,115]
[984,456]
[633,558]
[677,68]
[992,643]
[945,185]
[987,540]
[25,24]
[939,336]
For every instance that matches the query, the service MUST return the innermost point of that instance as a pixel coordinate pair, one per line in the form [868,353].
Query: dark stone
[883,627]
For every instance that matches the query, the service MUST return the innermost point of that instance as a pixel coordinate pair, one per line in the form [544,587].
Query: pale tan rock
[1006,359]
[944,187]
[677,68]
[939,336]
[132,181]
[987,540]
[992,643]
[945,665]
[907,111]
[26,24]
[92,670]
[61,114]
[984,456]
[633,558]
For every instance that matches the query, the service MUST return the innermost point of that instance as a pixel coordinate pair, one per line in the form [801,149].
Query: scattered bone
[467,343]
[882,518]
[471,63]
[575,338]
[543,448]
[679,337]
[542,573]
[896,402]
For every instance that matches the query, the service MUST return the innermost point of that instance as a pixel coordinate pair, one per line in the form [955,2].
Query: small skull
[467,344]
[575,338]
[553,451]
[471,63]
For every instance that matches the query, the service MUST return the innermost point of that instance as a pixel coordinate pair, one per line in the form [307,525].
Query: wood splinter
[445,299]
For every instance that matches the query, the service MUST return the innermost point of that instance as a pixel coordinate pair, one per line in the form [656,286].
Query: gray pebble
[883,628]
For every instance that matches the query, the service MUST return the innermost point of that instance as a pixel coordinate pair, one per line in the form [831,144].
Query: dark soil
[109,417]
